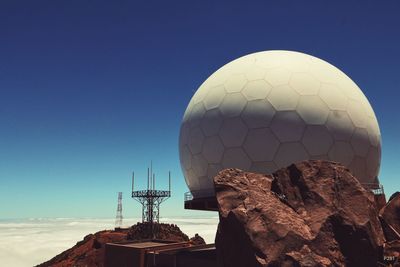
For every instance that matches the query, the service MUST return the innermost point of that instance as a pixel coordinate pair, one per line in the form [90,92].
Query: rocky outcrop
[197,240]
[161,231]
[390,218]
[90,251]
[392,249]
[312,213]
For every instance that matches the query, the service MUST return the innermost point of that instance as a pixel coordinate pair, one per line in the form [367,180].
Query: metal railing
[151,193]
[188,196]
[198,194]
[375,188]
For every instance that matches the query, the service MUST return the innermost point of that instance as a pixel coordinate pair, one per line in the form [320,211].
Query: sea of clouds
[27,242]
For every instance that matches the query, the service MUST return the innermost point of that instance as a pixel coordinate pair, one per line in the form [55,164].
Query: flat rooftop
[147,244]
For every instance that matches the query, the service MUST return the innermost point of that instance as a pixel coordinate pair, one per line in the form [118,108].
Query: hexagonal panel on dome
[235,83]
[261,144]
[200,94]
[356,113]
[211,122]
[312,110]
[324,72]
[288,126]
[265,167]
[186,115]
[255,73]
[217,78]
[191,179]
[278,76]
[268,60]
[213,170]
[197,114]
[184,134]
[333,97]
[240,65]
[289,153]
[317,140]
[258,89]
[340,125]
[236,158]
[232,105]
[304,84]
[258,113]
[213,149]
[206,183]
[233,132]
[373,158]
[367,108]
[297,62]
[199,165]
[196,139]
[186,157]
[360,142]
[214,97]
[373,132]
[349,88]
[341,152]
[283,98]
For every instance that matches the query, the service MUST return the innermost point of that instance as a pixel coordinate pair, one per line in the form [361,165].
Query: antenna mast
[151,198]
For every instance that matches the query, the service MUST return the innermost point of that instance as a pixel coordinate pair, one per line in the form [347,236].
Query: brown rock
[305,257]
[162,231]
[312,213]
[390,218]
[392,248]
[88,252]
[197,240]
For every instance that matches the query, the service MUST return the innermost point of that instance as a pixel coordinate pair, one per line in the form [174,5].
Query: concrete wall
[120,256]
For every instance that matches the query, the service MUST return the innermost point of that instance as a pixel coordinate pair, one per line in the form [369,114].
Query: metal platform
[199,201]
[376,188]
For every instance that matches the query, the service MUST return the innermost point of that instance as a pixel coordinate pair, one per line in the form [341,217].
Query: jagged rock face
[390,218]
[87,253]
[313,213]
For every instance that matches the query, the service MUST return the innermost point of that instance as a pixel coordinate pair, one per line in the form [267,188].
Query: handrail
[376,188]
[199,194]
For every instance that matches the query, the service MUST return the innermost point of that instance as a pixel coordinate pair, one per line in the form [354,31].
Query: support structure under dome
[199,200]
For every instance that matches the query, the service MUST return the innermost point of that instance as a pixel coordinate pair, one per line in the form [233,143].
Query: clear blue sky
[91,90]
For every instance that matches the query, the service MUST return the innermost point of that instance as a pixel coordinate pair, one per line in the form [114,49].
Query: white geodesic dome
[266,110]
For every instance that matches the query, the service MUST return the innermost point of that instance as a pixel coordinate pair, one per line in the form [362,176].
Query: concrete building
[159,253]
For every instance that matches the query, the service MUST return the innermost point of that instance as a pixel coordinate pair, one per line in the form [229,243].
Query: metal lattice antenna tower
[151,198]
[118,218]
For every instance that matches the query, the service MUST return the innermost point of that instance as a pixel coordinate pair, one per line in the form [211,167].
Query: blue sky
[91,90]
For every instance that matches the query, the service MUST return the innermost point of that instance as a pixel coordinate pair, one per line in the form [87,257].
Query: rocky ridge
[312,213]
[90,251]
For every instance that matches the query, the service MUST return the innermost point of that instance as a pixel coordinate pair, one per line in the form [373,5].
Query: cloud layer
[29,242]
